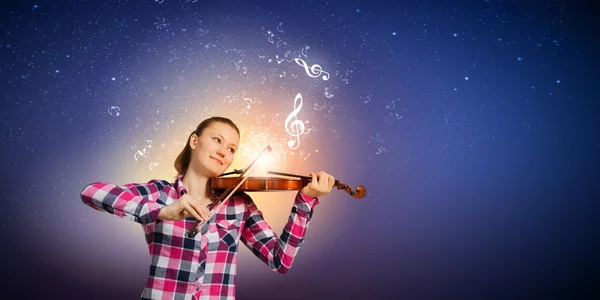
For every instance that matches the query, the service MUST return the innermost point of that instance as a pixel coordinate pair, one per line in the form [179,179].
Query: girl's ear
[192,141]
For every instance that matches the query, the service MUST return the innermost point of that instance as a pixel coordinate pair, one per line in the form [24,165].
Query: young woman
[204,267]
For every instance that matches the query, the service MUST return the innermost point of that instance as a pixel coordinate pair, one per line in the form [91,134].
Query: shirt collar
[181,189]
[179,185]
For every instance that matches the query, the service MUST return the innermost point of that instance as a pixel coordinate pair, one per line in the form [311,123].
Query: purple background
[469,122]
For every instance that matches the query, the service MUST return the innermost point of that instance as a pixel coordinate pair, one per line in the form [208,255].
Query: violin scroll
[358,193]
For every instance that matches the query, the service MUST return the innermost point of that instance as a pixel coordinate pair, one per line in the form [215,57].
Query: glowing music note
[392,105]
[248,102]
[314,71]
[328,92]
[317,107]
[202,32]
[380,150]
[116,109]
[296,127]
[139,153]
[305,157]
[304,51]
[279,60]
[281,42]
[390,117]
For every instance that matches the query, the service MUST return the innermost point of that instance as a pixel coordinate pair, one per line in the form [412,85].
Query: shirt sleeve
[278,253]
[139,202]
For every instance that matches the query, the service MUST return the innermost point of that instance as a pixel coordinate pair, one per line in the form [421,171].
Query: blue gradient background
[470,123]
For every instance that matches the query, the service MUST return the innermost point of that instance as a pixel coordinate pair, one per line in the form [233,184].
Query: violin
[255,184]
[263,184]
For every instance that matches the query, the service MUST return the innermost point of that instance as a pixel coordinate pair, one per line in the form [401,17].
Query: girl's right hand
[184,207]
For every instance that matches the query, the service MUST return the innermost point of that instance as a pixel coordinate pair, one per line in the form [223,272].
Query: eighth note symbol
[248,102]
[296,128]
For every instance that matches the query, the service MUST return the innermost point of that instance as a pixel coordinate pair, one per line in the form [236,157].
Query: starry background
[470,123]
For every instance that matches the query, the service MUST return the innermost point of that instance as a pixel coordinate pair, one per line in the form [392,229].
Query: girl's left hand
[321,184]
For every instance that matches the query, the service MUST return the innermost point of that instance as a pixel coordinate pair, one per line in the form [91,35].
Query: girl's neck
[197,185]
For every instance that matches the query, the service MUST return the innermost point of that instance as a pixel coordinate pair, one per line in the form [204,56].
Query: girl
[204,267]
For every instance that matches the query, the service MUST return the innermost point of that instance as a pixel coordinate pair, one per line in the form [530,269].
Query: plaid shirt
[203,267]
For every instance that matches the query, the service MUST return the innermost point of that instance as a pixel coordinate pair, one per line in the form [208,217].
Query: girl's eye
[232,150]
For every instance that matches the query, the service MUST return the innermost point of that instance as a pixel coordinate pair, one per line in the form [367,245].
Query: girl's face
[213,151]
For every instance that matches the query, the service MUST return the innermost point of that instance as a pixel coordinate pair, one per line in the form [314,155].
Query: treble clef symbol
[296,128]
[314,71]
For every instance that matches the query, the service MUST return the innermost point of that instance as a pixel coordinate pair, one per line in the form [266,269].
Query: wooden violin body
[259,184]
[266,184]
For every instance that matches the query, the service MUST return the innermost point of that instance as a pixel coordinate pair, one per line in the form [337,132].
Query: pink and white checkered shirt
[203,267]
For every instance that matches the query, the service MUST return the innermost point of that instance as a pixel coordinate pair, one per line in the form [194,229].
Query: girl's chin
[212,172]
[217,171]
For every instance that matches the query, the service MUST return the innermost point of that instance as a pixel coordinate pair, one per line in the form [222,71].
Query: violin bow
[193,231]
[358,193]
